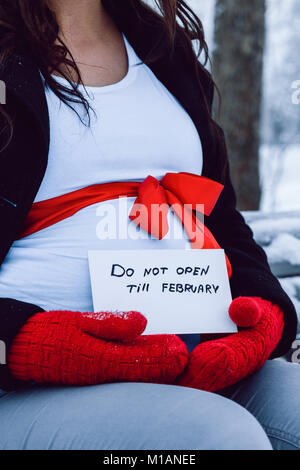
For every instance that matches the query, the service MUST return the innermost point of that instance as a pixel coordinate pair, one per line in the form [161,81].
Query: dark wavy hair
[32,26]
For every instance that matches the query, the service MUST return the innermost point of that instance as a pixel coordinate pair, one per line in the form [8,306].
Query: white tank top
[137,129]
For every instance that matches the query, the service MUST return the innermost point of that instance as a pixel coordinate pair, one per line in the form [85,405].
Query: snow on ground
[267,226]
[284,248]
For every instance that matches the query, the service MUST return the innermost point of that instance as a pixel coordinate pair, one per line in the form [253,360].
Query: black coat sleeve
[251,275]
[13,315]
[18,186]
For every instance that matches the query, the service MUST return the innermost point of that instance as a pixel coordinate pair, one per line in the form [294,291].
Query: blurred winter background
[279,44]
[255,54]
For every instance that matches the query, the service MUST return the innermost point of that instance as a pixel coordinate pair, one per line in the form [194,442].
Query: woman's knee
[272,395]
[126,416]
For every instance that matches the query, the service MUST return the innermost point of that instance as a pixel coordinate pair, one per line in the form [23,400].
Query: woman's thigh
[272,395]
[125,416]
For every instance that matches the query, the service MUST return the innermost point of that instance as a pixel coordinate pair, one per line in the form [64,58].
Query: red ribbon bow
[185,193]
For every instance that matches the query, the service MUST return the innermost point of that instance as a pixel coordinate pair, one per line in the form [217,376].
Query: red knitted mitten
[86,348]
[217,364]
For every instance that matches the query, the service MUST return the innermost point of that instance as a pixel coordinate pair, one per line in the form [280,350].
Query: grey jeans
[261,412]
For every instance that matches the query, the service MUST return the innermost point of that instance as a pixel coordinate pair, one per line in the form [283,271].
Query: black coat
[23,164]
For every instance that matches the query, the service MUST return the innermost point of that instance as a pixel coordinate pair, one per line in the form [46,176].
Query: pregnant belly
[50,268]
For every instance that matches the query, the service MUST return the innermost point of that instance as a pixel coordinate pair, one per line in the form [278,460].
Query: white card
[178,291]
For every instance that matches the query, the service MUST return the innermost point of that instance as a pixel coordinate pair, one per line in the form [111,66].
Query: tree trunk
[237,69]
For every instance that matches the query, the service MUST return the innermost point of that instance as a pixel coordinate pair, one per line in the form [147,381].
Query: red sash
[175,189]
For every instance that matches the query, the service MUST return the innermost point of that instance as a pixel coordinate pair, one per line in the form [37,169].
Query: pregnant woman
[107,107]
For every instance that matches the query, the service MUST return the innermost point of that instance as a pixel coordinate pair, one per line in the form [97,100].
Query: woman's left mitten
[217,364]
